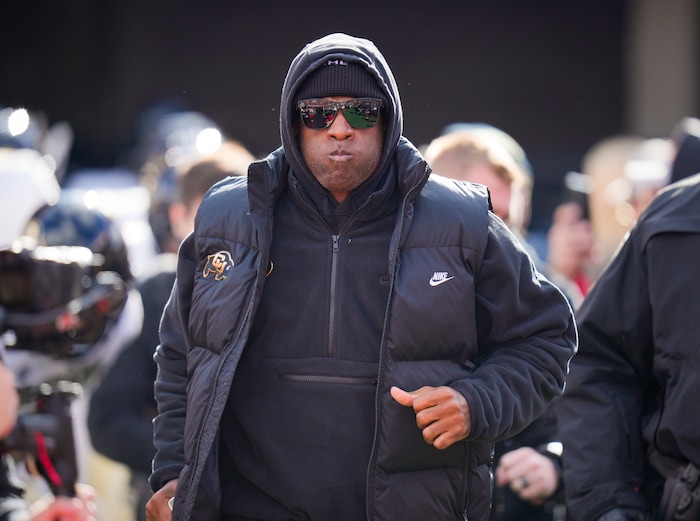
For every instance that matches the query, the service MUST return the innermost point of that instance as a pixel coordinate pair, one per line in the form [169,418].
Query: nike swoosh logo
[434,282]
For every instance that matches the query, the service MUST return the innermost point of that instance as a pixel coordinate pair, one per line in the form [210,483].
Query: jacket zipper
[377,397]
[465,489]
[323,379]
[335,238]
[333,307]
[189,496]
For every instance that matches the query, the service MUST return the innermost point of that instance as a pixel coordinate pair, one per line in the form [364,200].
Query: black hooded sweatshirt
[314,385]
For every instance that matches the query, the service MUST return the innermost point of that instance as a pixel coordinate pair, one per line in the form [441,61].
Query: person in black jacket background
[628,418]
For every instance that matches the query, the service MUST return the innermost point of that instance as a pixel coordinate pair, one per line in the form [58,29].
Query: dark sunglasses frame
[360,113]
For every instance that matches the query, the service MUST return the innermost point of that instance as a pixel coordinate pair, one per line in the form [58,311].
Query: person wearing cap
[348,334]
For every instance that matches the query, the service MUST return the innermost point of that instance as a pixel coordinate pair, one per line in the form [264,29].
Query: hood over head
[304,79]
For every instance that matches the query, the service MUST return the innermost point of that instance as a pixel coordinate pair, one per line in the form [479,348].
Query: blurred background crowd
[558,76]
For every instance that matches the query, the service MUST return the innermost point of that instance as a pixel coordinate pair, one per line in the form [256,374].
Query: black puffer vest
[421,344]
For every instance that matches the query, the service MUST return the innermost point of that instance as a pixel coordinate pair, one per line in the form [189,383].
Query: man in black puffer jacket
[348,334]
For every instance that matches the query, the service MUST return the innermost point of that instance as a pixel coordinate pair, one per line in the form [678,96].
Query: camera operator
[12,505]
[33,203]
[62,322]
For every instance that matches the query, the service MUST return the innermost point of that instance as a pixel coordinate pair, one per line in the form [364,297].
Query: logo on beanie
[338,77]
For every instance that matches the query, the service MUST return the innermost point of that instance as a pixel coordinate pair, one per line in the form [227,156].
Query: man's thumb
[401,396]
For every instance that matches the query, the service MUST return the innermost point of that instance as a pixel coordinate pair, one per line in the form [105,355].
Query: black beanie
[339,78]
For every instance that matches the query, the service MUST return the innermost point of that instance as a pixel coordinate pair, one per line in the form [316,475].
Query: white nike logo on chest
[440,277]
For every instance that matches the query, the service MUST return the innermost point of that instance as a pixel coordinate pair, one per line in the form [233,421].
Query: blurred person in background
[13,505]
[647,170]
[571,241]
[605,191]
[34,160]
[633,343]
[123,407]
[169,134]
[685,137]
[600,204]
[9,404]
[482,153]
[619,176]
[628,417]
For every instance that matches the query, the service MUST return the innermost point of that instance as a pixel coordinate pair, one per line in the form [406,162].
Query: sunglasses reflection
[321,113]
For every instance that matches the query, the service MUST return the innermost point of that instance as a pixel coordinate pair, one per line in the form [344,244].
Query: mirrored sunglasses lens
[359,120]
[317,117]
[328,117]
[362,116]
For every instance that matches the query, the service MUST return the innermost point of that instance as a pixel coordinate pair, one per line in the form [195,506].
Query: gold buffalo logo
[218,264]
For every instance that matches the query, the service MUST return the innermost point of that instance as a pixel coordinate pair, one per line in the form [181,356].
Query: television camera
[54,300]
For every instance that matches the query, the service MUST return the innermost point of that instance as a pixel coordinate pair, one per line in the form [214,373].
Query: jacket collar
[406,173]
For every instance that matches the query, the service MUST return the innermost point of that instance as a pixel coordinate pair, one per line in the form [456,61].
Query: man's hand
[157,508]
[531,475]
[441,413]
[570,241]
[79,508]
[9,402]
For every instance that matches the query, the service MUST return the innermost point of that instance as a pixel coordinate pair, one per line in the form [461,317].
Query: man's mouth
[341,155]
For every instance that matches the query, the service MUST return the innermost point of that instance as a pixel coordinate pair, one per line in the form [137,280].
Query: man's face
[341,157]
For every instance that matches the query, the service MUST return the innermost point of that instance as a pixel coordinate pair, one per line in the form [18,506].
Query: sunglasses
[360,113]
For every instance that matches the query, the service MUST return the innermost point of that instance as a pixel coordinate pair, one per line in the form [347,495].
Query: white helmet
[27,183]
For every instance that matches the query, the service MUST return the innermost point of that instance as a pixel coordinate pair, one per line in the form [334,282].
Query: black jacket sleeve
[123,407]
[171,382]
[634,383]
